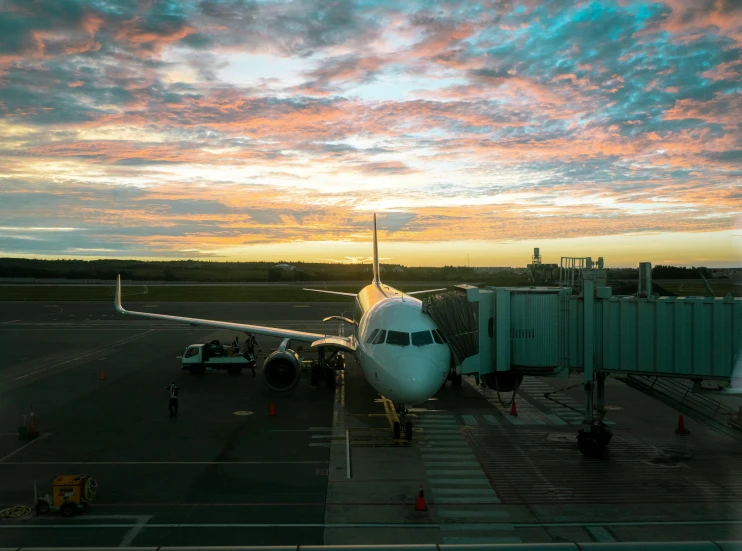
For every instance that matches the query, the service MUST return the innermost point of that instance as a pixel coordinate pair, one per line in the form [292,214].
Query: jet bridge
[664,346]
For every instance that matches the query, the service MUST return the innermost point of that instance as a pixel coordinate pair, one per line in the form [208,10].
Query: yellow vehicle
[71,493]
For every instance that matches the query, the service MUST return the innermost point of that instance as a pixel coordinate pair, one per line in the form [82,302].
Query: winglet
[377,278]
[117,297]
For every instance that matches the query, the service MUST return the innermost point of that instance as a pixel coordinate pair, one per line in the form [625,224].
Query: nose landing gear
[403,422]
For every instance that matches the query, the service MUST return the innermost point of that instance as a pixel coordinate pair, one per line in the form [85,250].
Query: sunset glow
[273,130]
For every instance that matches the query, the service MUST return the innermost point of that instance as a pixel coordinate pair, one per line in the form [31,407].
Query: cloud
[158,127]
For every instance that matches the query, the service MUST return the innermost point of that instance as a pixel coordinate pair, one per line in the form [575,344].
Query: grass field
[196,293]
[696,288]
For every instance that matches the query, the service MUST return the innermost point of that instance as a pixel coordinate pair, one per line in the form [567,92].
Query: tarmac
[325,470]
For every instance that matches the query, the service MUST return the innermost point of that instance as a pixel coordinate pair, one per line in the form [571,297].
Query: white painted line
[556,420]
[23,446]
[454,472]
[128,538]
[429,452]
[219,525]
[437,456]
[490,419]
[117,343]
[600,534]
[451,464]
[460,540]
[469,420]
[319,445]
[484,527]
[153,462]
[465,500]
[347,453]
[464,491]
[322,436]
[462,481]
[458,513]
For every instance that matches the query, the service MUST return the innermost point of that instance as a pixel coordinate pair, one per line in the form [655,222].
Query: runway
[324,470]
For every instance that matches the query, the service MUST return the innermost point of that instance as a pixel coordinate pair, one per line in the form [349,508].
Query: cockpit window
[370,338]
[398,338]
[421,338]
[438,337]
[380,337]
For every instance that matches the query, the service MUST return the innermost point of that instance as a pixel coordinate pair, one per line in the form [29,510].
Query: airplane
[400,350]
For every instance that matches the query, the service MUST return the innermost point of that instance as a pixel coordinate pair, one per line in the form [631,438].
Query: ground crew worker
[173,402]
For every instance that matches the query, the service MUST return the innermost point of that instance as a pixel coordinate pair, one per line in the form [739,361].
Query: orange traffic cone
[102,374]
[421,505]
[33,431]
[681,426]
[273,409]
[513,409]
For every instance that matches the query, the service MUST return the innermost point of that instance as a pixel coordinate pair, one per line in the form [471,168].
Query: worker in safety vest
[173,401]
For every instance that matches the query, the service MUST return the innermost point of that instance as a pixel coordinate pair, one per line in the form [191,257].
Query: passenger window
[380,337]
[398,338]
[439,338]
[421,338]
[371,336]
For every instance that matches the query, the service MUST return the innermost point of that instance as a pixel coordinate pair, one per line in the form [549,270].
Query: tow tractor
[72,494]
[199,358]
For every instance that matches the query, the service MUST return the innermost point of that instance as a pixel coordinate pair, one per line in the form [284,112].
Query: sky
[273,130]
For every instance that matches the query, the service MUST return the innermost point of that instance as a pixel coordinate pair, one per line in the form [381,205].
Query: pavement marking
[452,472]
[464,491]
[114,345]
[458,540]
[128,538]
[6,526]
[600,534]
[490,419]
[556,420]
[463,481]
[347,452]
[478,527]
[2,460]
[458,513]
[448,455]
[469,420]
[452,464]
[319,445]
[151,462]
[465,500]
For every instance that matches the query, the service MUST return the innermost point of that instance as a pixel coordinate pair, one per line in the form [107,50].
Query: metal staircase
[679,395]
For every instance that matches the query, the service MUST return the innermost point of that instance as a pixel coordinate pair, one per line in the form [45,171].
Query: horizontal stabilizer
[331,292]
[340,318]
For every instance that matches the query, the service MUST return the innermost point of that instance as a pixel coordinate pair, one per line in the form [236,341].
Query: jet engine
[504,381]
[281,370]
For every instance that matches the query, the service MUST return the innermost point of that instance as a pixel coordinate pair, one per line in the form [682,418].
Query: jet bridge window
[398,338]
[421,338]
[380,337]
[370,338]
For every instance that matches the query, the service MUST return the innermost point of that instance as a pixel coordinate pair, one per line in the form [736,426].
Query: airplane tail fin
[377,278]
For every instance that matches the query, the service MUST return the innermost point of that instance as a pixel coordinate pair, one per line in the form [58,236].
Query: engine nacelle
[281,370]
[504,381]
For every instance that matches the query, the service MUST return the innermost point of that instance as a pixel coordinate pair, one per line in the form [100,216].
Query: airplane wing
[256,329]
[332,292]
[425,291]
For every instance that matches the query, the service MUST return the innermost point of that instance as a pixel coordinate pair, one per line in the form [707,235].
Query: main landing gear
[402,422]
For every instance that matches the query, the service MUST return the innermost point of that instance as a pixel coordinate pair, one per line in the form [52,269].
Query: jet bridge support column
[594,436]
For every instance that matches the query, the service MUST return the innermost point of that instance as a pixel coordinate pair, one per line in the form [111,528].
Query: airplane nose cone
[421,381]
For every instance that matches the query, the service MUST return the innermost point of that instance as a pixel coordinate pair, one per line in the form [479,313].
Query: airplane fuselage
[399,349]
